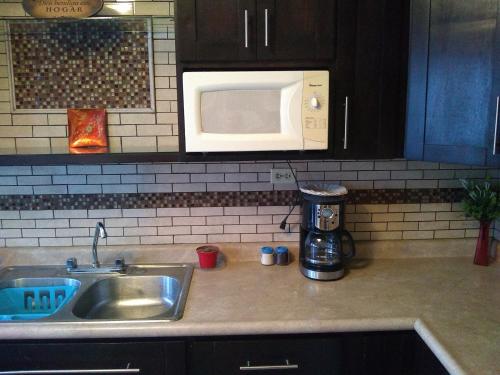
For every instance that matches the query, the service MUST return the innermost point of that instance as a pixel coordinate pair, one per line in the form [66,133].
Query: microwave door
[242,112]
[251,120]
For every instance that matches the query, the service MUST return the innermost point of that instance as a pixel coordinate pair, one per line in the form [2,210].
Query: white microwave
[256,110]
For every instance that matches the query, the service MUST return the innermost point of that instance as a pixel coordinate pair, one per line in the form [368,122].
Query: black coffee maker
[322,234]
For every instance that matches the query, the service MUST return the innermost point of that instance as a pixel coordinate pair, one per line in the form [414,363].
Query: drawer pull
[346,121]
[92,371]
[266,27]
[246,28]
[286,366]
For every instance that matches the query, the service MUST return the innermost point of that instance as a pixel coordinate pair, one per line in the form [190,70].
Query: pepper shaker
[282,258]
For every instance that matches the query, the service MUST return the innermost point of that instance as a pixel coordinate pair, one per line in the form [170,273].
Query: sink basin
[130,297]
[49,293]
[35,298]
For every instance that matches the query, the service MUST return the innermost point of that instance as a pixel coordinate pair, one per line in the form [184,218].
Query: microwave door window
[241,111]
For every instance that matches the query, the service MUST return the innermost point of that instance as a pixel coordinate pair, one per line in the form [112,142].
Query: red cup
[207,256]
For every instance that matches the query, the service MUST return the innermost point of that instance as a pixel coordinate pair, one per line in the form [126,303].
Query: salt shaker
[267,256]
[282,258]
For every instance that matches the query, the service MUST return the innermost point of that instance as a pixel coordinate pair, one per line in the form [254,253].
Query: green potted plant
[482,202]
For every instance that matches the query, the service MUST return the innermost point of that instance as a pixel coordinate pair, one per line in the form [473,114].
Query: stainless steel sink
[143,292]
[130,297]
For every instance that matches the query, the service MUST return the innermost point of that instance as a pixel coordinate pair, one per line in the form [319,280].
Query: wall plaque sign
[62,8]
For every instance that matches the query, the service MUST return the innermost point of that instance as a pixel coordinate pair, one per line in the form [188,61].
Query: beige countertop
[452,304]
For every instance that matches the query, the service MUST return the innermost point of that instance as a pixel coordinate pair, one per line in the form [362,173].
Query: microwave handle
[246,28]
[346,121]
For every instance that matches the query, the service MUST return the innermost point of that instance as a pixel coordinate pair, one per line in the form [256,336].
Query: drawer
[266,356]
[84,358]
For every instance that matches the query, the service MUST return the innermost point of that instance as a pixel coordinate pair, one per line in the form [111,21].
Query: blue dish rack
[27,303]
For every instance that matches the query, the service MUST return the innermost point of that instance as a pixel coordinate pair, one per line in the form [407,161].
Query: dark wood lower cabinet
[266,356]
[371,353]
[155,358]
[386,353]
[365,353]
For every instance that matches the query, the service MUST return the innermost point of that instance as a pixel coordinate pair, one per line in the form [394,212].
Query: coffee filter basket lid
[324,190]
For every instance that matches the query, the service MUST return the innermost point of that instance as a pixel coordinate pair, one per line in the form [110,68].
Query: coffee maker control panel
[326,217]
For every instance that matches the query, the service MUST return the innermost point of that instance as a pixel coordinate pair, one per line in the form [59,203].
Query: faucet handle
[120,263]
[71,264]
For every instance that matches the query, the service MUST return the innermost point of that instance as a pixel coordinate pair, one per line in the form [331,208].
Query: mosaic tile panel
[81,64]
[215,199]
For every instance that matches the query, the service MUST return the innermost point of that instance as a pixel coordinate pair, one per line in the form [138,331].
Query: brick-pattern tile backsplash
[226,224]
[164,203]
[210,177]
[197,202]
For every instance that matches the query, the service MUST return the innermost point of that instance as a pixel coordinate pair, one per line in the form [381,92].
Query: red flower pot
[207,256]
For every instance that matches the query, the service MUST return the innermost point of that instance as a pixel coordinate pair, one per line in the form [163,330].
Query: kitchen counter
[452,304]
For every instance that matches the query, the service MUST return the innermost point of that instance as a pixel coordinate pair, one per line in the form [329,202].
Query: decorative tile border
[214,199]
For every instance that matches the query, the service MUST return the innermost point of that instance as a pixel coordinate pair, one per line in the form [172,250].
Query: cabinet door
[388,353]
[494,135]
[425,360]
[379,353]
[370,78]
[265,356]
[451,77]
[295,29]
[143,358]
[216,30]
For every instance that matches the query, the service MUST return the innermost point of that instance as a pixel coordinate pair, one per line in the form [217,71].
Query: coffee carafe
[324,243]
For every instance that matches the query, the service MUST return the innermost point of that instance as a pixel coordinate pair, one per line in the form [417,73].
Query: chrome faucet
[119,266]
[100,231]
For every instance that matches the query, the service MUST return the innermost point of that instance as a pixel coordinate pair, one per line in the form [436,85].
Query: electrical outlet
[282,176]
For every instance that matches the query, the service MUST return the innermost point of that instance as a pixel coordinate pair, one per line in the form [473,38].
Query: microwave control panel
[315,109]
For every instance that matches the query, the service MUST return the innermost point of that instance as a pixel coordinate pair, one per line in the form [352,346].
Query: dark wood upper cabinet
[364,44]
[493,156]
[295,29]
[216,30]
[453,81]
[370,78]
[250,30]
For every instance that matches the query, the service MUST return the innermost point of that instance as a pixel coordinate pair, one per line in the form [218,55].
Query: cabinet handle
[93,371]
[346,121]
[246,28]
[286,366]
[266,27]
[496,127]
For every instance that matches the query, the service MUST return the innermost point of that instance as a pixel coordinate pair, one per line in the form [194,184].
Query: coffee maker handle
[351,253]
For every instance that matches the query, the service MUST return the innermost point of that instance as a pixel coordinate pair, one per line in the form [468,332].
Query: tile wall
[197,202]
[168,203]
[26,131]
